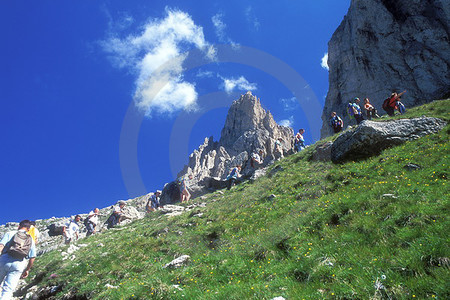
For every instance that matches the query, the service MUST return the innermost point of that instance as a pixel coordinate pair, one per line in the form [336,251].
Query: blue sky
[93,91]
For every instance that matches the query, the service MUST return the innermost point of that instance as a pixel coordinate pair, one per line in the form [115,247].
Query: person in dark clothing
[336,122]
[394,103]
[233,176]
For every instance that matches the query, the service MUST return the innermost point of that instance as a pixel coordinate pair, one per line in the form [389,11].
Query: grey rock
[178,262]
[370,137]
[167,209]
[275,171]
[388,196]
[322,152]
[170,193]
[412,167]
[387,45]
[258,173]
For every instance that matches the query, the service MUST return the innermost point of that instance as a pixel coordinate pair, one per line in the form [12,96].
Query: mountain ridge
[307,229]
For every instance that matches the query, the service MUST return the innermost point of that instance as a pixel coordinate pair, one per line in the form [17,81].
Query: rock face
[370,138]
[322,152]
[248,127]
[387,45]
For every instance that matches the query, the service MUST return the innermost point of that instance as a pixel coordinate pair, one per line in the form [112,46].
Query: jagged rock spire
[248,127]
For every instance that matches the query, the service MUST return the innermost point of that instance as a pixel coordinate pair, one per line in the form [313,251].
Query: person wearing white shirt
[72,229]
[91,221]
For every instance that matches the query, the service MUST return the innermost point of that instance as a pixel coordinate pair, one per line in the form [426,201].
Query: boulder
[370,137]
[322,152]
[178,262]
[170,193]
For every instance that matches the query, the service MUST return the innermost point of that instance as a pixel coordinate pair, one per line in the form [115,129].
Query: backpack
[350,109]
[385,105]
[336,122]
[19,246]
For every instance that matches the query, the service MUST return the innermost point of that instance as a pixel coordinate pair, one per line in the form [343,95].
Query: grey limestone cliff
[387,45]
[248,127]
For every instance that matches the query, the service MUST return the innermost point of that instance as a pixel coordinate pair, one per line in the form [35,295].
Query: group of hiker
[390,105]
[18,248]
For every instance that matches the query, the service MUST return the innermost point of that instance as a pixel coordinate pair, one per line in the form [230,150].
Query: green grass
[328,234]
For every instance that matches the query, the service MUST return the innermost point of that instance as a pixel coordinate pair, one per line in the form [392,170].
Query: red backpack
[386,105]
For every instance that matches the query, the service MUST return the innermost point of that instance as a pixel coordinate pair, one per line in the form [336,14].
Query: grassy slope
[329,234]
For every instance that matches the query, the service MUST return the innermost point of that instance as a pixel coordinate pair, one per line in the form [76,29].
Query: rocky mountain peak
[248,128]
[245,114]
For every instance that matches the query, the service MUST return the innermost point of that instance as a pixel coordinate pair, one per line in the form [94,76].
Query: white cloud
[155,55]
[287,122]
[204,74]
[220,28]
[230,84]
[251,18]
[289,104]
[324,62]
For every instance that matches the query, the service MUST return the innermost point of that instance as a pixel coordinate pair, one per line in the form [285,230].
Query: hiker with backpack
[354,110]
[278,150]
[184,193]
[371,111]
[71,229]
[116,215]
[394,103]
[336,122]
[15,247]
[91,221]
[153,202]
[233,176]
[256,159]
[299,140]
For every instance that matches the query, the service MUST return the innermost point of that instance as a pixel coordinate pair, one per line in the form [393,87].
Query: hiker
[153,202]
[72,229]
[233,176]
[185,195]
[278,151]
[34,232]
[371,111]
[392,103]
[299,141]
[15,247]
[354,110]
[91,221]
[336,122]
[256,159]
[117,214]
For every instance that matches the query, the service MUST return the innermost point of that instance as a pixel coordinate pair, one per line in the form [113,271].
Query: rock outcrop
[387,45]
[248,128]
[370,138]
[134,209]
